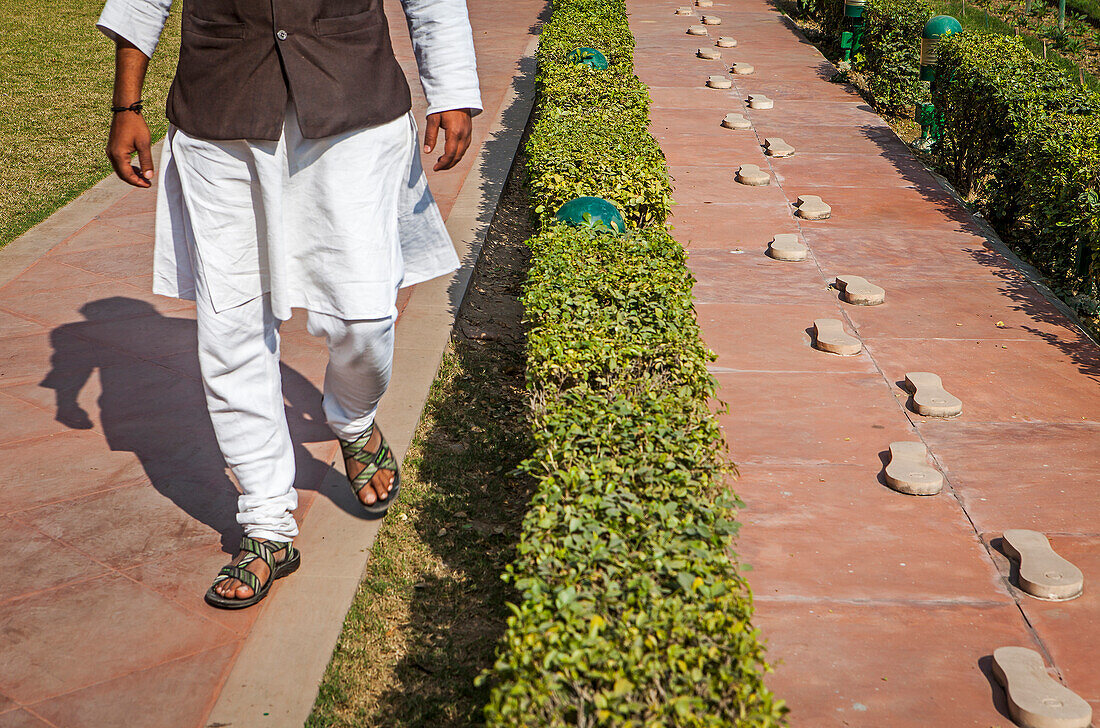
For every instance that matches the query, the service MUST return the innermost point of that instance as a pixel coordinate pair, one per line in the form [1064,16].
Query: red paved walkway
[880,609]
[117,509]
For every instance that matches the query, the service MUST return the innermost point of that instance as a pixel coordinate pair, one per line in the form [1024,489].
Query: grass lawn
[56,76]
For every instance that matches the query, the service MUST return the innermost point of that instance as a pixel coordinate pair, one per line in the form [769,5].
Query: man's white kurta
[332,225]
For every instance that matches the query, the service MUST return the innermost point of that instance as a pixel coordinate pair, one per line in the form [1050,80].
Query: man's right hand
[129,134]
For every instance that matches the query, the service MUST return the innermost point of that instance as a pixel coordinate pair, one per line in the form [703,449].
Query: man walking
[290,178]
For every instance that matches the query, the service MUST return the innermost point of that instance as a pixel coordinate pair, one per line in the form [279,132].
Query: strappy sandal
[265,550]
[382,459]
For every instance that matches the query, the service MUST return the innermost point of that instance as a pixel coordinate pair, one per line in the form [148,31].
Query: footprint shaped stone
[776,147]
[742,69]
[736,121]
[859,291]
[1043,573]
[1035,699]
[785,246]
[697,30]
[909,472]
[704,3]
[684,10]
[753,176]
[929,398]
[719,82]
[710,54]
[724,41]
[711,20]
[757,101]
[810,207]
[829,335]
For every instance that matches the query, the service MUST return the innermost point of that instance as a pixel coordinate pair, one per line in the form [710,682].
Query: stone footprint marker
[1035,699]
[753,176]
[909,472]
[928,398]
[685,10]
[759,101]
[776,147]
[697,30]
[724,41]
[719,82]
[785,246]
[741,69]
[1043,573]
[810,207]
[710,54]
[711,20]
[830,336]
[703,3]
[736,121]
[859,291]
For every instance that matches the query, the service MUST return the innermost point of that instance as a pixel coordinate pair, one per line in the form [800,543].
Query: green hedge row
[1020,138]
[890,58]
[632,609]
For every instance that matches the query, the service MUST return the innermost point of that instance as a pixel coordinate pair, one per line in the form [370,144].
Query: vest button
[281,35]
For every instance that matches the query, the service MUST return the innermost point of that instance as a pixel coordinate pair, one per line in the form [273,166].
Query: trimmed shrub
[1024,142]
[626,311]
[1056,199]
[632,609]
[576,152]
[889,57]
[991,92]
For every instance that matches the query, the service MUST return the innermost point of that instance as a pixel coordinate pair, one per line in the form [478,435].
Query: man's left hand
[457,127]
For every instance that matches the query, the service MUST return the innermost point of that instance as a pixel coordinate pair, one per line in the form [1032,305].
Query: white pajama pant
[239,358]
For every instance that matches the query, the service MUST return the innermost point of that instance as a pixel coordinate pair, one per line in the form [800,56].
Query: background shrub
[889,57]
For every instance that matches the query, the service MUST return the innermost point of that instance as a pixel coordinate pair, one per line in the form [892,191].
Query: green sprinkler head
[934,29]
[592,212]
[588,57]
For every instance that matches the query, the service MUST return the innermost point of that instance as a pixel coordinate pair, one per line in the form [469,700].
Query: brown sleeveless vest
[239,59]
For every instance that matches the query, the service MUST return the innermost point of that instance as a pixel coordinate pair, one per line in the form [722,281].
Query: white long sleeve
[443,43]
[138,21]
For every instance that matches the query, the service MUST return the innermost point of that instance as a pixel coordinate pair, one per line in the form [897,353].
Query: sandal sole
[283,568]
[379,508]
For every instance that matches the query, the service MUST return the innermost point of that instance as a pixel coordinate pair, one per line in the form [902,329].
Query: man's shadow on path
[159,413]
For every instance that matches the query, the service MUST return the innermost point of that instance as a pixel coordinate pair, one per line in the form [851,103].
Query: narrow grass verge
[431,608]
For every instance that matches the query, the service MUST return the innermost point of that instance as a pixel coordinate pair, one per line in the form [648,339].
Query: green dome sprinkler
[592,212]
[588,57]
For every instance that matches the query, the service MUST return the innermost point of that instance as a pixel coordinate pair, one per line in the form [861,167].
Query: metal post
[853,18]
[934,29]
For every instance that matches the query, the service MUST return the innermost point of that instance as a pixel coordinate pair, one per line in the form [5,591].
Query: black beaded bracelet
[134,107]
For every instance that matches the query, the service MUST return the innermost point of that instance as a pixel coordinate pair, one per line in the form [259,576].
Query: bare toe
[243,592]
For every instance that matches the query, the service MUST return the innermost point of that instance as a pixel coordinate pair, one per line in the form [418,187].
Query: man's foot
[236,589]
[381,484]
